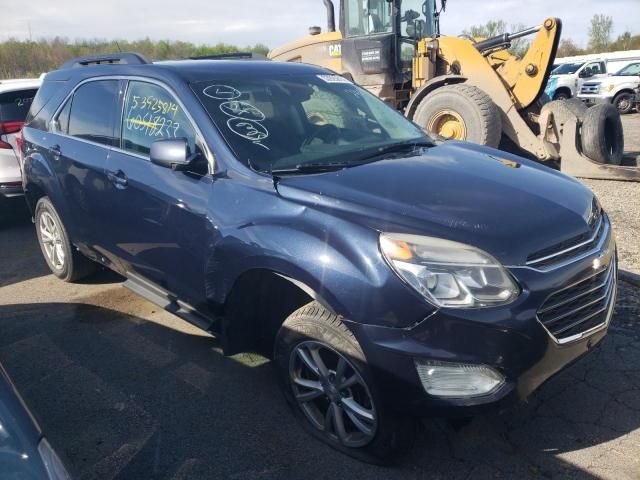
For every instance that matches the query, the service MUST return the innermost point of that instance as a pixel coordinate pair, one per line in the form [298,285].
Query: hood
[501,203]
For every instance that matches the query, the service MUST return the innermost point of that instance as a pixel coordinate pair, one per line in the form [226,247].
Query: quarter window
[151,113]
[63,118]
[92,115]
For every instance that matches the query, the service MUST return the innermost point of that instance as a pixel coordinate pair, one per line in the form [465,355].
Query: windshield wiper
[394,148]
[369,157]
[314,168]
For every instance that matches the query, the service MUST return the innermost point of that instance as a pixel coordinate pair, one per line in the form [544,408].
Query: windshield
[632,69]
[567,68]
[283,121]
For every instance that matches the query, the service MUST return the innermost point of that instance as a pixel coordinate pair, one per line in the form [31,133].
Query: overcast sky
[272,22]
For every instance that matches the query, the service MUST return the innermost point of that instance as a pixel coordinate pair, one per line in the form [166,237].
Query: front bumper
[509,339]
[594,99]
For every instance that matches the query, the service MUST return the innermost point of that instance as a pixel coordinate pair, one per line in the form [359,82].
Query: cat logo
[335,50]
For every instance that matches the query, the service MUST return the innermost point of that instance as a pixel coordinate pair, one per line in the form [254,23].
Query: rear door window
[93,112]
[152,113]
[14,106]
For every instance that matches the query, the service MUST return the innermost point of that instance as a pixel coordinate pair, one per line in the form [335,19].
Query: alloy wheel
[332,394]
[52,241]
[624,104]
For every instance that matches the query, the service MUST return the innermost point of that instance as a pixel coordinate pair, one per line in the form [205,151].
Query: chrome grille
[570,313]
[590,88]
[572,248]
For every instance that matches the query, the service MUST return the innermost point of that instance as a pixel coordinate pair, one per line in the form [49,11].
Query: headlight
[449,274]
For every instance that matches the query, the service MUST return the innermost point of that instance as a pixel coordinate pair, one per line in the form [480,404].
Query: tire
[313,329]
[481,116]
[64,261]
[561,96]
[602,136]
[623,102]
[576,106]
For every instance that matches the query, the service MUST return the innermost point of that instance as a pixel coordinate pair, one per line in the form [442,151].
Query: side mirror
[171,153]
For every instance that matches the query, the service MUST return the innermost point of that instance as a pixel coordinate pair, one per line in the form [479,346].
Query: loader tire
[461,112]
[602,136]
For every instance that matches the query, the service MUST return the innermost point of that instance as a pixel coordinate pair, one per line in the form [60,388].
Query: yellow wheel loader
[464,88]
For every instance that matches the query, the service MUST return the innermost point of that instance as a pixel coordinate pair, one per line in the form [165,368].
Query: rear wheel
[64,261]
[327,382]
[624,102]
[460,112]
[602,136]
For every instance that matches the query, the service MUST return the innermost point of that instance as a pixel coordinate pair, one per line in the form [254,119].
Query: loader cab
[380,39]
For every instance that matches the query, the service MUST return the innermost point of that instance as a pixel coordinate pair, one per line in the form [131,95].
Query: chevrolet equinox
[388,275]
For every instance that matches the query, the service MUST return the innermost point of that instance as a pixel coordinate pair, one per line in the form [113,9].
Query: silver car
[15,99]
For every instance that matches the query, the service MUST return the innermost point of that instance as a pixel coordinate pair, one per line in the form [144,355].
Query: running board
[169,302]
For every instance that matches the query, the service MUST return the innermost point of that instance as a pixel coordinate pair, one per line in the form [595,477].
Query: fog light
[444,379]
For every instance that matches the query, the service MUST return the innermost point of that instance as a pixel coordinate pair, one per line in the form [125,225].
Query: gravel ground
[124,390]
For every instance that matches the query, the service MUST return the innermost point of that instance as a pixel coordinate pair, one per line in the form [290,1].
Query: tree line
[600,37]
[22,59]
[25,59]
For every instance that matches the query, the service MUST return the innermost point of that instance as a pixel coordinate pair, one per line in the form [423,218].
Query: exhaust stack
[331,16]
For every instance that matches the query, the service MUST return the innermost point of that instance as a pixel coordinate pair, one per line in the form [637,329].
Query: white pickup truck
[619,88]
[567,78]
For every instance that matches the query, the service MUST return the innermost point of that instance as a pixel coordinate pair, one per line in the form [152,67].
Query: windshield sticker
[242,110]
[333,79]
[221,92]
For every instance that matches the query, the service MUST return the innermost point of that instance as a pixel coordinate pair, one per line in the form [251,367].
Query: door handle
[119,179]
[56,153]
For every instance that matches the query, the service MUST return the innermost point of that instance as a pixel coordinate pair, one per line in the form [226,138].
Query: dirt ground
[124,390]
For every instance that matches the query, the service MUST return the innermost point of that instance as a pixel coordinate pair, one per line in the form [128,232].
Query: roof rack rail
[231,56]
[129,58]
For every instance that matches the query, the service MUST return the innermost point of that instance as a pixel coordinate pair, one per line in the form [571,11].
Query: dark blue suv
[290,212]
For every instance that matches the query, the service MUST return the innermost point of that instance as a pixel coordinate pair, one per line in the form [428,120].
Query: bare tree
[492,28]
[600,33]
[568,48]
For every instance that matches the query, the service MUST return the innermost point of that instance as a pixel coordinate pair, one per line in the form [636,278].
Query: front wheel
[64,261]
[326,380]
[624,102]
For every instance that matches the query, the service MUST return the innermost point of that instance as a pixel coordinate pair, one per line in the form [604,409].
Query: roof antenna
[118,45]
